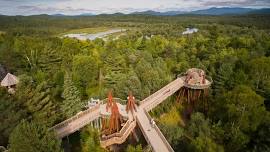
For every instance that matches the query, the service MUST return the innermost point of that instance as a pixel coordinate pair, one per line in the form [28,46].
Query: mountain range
[209,11]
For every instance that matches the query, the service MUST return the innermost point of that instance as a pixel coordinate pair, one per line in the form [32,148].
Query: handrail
[159,133]
[196,86]
[157,92]
[119,99]
[171,86]
[120,133]
[118,139]
[77,116]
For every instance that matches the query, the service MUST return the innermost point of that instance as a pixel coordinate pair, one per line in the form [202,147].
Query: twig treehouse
[196,88]
[10,81]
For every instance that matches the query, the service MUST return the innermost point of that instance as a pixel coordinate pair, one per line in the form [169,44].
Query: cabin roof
[9,80]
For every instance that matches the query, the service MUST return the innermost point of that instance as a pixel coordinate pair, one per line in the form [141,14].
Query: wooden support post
[188,96]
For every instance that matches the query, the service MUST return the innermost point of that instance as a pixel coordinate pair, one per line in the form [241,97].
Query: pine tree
[49,59]
[11,114]
[32,137]
[223,77]
[90,140]
[137,148]
[37,100]
[42,106]
[72,102]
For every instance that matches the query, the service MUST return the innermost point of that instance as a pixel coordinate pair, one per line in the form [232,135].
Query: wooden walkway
[76,122]
[152,134]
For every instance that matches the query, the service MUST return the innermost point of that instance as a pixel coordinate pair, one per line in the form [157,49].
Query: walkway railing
[158,92]
[208,83]
[118,134]
[77,116]
[160,133]
[118,138]
[165,92]
[119,100]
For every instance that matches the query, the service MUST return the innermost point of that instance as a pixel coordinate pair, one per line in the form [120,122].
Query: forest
[59,75]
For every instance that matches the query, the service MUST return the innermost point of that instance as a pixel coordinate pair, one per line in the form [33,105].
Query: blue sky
[73,7]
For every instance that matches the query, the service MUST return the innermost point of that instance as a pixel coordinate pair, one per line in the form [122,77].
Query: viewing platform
[196,79]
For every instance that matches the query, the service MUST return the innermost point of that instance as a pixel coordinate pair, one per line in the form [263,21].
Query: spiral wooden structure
[196,88]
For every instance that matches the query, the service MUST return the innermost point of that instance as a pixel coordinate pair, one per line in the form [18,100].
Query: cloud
[72,7]
[26,9]
[245,3]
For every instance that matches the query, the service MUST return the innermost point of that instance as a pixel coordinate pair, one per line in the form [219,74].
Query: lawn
[91,30]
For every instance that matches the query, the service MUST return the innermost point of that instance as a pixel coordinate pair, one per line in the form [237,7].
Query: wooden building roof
[9,80]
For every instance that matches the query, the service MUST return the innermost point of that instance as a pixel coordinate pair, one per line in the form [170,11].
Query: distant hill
[168,13]
[86,14]
[58,15]
[261,11]
[223,11]
[210,11]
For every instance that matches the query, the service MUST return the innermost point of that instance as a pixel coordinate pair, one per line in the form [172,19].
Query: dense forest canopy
[58,75]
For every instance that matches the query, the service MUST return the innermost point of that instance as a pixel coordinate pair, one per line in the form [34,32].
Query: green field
[88,30]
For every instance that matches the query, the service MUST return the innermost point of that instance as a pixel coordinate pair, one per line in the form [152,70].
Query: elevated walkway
[158,97]
[152,134]
[76,122]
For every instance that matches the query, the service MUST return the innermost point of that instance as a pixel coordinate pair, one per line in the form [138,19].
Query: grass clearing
[91,30]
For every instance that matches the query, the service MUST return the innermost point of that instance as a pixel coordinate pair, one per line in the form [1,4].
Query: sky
[75,7]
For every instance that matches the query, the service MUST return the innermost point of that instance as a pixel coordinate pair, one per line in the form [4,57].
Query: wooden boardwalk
[152,134]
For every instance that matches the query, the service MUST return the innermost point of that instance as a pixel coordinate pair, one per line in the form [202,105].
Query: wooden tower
[110,101]
[131,106]
[195,89]
[115,119]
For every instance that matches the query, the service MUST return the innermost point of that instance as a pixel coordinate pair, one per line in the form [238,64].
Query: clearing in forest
[93,33]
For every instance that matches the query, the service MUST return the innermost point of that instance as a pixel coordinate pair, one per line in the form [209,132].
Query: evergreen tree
[223,78]
[90,140]
[131,83]
[11,114]
[260,72]
[49,59]
[38,100]
[205,144]
[31,137]
[137,148]
[42,105]
[85,71]
[242,113]
[203,135]
[72,102]
[260,140]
